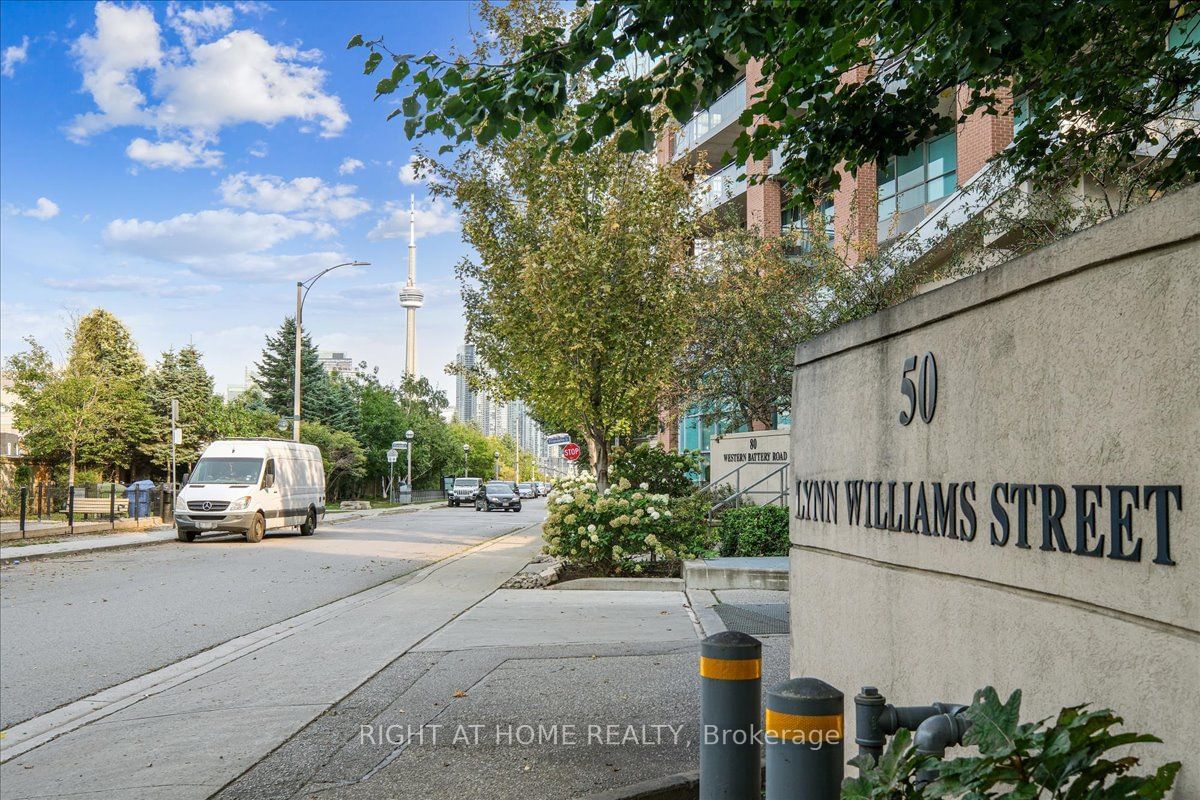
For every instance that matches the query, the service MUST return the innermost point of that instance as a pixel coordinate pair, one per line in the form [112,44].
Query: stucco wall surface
[1078,365]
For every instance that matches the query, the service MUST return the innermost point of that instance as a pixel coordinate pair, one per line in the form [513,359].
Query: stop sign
[570,452]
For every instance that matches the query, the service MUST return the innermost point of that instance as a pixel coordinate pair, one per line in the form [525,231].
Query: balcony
[719,118]
[722,186]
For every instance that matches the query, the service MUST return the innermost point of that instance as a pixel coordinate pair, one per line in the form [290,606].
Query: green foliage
[893,778]
[277,372]
[101,346]
[650,468]
[341,453]
[1064,759]
[181,376]
[1092,77]
[754,531]
[616,531]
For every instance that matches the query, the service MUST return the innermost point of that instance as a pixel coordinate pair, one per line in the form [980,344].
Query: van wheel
[257,529]
[185,536]
[309,526]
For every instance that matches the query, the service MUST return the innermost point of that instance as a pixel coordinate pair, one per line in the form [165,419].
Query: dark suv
[497,494]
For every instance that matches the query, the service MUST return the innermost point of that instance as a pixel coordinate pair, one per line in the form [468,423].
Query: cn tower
[411,298]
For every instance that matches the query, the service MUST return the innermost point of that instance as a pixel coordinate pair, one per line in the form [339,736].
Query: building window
[794,219]
[907,183]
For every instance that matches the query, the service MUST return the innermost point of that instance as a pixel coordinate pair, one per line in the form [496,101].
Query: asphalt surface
[70,627]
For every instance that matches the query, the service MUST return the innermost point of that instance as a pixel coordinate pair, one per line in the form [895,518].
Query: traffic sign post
[571,451]
[392,455]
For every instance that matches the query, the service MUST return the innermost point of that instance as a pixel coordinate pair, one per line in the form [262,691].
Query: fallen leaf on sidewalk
[460,693]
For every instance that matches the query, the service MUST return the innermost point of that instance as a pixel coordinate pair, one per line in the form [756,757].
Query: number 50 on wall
[922,396]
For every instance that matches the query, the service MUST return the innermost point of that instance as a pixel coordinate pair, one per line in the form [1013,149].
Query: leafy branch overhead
[843,84]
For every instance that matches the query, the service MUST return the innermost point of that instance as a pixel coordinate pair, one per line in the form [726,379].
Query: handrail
[782,494]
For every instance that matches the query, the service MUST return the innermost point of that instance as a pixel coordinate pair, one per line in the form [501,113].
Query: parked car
[463,491]
[543,488]
[527,491]
[497,494]
[251,486]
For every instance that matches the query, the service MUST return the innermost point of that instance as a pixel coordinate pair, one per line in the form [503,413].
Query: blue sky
[183,164]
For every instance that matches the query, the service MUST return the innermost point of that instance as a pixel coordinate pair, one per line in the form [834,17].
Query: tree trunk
[598,450]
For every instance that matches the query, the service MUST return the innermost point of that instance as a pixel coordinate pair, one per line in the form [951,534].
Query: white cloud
[432,217]
[200,88]
[193,24]
[258,149]
[43,209]
[408,173]
[189,238]
[13,55]
[175,155]
[225,243]
[350,166]
[304,197]
[126,40]
[254,7]
[243,78]
[141,284]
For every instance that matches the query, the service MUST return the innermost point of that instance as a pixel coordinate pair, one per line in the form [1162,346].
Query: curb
[622,585]
[681,786]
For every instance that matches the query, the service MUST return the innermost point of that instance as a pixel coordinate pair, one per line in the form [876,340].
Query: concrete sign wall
[998,482]
[752,461]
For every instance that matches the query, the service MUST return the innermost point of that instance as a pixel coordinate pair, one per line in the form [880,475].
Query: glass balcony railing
[721,187]
[723,111]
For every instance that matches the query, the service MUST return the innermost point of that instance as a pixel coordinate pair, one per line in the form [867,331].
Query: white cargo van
[252,486]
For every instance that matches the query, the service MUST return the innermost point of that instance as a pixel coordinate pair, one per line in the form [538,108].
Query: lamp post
[496,459]
[409,436]
[466,451]
[302,288]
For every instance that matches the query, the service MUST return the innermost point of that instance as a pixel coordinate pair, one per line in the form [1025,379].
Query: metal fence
[48,507]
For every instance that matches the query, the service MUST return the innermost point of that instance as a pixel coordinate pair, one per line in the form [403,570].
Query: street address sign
[392,456]
[571,452]
[558,438]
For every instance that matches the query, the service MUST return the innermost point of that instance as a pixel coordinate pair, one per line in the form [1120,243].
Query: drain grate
[759,619]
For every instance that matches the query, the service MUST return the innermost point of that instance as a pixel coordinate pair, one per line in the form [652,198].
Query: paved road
[73,626]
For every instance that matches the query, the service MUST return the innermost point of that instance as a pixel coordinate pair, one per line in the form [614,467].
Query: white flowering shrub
[613,531]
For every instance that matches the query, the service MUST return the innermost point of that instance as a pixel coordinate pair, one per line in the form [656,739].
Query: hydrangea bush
[618,530]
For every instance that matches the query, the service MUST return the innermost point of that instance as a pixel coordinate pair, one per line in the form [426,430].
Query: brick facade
[982,135]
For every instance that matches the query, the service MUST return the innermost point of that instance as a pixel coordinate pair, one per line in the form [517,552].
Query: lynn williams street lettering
[1068,519]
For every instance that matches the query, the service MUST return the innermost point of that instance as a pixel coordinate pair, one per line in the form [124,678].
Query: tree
[341,453]
[59,410]
[1094,80]
[277,371]
[245,417]
[582,289]
[751,313]
[102,347]
[181,376]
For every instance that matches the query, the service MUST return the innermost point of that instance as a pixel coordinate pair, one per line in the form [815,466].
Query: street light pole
[466,450]
[409,436]
[496,464]
[302,288]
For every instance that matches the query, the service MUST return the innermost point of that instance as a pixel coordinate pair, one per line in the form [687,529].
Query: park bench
[99,505]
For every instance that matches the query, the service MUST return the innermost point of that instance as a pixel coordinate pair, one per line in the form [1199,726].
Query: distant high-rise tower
[411,298]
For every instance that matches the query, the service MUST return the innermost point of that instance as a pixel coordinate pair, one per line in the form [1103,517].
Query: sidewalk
[437,685]
[186,730]
[163,533]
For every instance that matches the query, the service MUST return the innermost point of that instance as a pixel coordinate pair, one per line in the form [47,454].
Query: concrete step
[737,573]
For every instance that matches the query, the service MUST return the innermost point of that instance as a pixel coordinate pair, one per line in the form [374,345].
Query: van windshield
[227,470]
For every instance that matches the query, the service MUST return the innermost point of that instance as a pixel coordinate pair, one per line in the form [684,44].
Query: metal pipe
[868,735]
[937,733]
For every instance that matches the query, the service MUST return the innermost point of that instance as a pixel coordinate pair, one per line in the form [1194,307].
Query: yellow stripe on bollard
[804,729]
[731,669]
